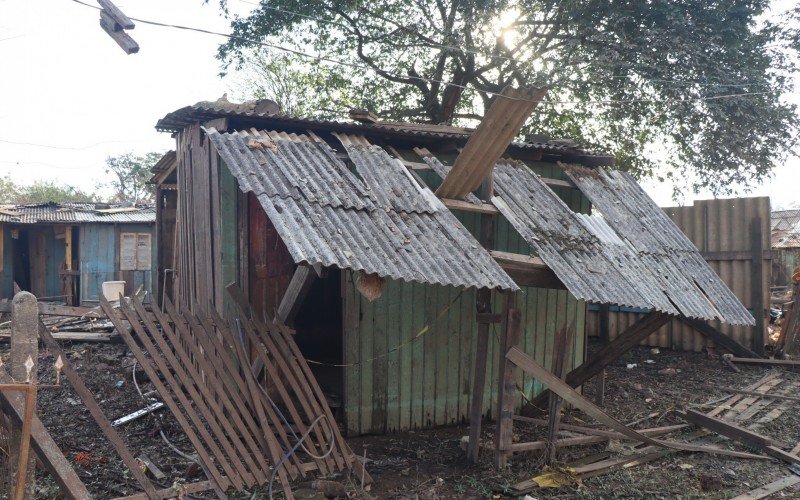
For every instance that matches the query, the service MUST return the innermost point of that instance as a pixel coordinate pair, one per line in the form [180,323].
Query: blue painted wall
[99,249]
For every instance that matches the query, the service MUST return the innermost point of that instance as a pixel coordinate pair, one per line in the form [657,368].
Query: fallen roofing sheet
[384,224]
[503,120]
[633,255]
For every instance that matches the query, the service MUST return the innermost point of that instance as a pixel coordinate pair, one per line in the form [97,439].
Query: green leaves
[131,174]
[639,79]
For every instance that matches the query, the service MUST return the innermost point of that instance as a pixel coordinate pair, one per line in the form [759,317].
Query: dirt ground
[430,464]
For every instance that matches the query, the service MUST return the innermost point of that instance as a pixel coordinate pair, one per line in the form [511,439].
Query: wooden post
[24,361]
[561,349]
[483,305]
[604,335]
[296,292]
[758,303]
[507,387]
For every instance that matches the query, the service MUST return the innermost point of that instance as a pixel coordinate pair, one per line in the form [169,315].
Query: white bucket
[113,289]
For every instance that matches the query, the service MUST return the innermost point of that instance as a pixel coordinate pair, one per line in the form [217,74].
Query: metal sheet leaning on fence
[527,364]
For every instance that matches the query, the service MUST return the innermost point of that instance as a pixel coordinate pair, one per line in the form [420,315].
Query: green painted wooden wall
[409,355]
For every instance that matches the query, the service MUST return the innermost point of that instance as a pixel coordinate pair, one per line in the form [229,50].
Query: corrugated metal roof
[288,166]
[75,213]
[637,219]
[382,224]
[632,256]
[390,183]
[209,110]
[785,229]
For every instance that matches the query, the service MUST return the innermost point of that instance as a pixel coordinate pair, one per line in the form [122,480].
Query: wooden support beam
[727,429]
[740,434]
[113,12]
[124,40]
[719,338]
[623,343]
[769,489]
[483,208]
[604,335]
[296,292]
[483,306]
[527,270]
[562,350]
[601,436]
[42,443]
[507,388]
[765,362]
[531,367]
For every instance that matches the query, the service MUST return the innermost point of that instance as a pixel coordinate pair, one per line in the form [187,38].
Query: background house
[785,245]
[64,252]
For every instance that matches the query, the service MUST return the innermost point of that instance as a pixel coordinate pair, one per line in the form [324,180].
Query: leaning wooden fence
[733,235]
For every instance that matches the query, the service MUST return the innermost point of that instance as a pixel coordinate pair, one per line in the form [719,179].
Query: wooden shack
[397,295]
[63,252]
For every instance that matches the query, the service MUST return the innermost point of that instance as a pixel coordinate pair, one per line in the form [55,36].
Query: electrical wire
[423,79]
[163,436]
[291,452]
[300,440]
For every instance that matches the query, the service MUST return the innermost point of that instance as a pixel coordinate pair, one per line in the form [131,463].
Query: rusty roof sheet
[382,224]
[76,213]
[632,255]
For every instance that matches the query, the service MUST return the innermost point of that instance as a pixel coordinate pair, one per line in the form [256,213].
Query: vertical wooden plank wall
[98,251]
[714,226]
[421,374]
[208,226]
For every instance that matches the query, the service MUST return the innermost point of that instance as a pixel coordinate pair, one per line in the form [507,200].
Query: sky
[71,97]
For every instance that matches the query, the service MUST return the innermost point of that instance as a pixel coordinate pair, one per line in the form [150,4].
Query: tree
[8,189]
[690,88]
[46,191]
[132,173]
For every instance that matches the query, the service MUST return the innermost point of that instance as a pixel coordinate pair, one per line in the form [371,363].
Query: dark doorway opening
[21,259]
[319,335]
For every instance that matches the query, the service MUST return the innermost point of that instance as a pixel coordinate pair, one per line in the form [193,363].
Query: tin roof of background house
[76,213]
[385,224]
[786,229]
[271,118]
[633,255]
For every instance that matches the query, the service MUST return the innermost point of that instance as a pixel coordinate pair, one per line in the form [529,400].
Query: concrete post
[24,362]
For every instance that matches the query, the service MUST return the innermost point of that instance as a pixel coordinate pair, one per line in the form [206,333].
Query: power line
[423,79]
[68,148]
[507,58]
[60,167]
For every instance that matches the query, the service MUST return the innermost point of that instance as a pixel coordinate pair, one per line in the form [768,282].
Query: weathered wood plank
[624,342]
[719,338]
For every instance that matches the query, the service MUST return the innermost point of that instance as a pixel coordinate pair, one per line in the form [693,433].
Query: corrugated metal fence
[728,232]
